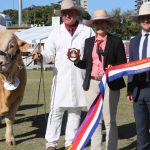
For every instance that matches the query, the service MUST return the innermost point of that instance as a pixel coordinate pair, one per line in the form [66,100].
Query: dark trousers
[142,116]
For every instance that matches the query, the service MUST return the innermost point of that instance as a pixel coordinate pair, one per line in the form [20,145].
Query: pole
[20,13]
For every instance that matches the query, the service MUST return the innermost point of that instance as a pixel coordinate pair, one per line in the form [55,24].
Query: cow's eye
[11,46]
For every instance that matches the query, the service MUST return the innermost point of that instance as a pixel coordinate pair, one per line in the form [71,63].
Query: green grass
[126,124]
[29,127]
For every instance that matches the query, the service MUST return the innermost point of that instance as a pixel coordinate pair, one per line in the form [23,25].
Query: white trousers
[109,116]
[54,125]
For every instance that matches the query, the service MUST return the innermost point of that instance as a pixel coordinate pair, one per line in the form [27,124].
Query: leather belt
[97,78]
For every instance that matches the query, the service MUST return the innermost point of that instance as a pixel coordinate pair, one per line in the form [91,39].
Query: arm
[49,51]
[82,63]
[48,54]
[118,55]
[130,77]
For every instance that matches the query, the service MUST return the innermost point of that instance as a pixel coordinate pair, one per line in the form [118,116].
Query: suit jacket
[139,79]
[114,54]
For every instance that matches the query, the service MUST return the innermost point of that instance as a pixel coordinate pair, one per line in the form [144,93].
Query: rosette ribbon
[94,114]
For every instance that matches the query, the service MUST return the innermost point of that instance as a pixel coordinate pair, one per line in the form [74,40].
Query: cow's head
[10,54]
[10,49]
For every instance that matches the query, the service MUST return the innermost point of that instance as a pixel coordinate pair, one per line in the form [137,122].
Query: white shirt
[141,44]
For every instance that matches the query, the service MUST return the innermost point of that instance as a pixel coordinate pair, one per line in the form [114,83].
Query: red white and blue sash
[94,114]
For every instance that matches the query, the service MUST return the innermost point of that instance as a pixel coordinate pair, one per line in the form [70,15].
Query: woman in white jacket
[67,92]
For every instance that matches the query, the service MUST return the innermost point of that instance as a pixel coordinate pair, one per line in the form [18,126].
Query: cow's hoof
[11,142]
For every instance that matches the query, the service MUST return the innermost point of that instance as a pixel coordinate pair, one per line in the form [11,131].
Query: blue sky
[92,4]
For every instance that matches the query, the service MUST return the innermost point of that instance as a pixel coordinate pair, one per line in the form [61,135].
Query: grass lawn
[31,118]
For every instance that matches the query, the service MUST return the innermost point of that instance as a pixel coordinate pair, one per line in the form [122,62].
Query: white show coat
[67,88]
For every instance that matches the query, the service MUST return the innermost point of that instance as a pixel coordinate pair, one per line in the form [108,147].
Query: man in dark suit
[138,89]
[100,52]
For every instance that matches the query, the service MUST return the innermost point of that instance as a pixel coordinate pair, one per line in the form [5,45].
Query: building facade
[5,20]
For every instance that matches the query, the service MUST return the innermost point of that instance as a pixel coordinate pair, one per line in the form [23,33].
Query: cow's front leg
[4,107]
[10,140]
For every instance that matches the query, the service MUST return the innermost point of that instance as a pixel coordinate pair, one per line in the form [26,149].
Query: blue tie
[145,76]
[144,50]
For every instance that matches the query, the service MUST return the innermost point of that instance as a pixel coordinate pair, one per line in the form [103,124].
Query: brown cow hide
[11,67]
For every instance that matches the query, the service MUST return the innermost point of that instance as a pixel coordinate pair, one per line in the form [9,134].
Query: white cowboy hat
[69,4]
[143,11]
[102,15]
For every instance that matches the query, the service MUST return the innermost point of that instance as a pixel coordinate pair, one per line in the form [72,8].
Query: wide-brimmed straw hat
[102,15]
[143,11]
[69,4]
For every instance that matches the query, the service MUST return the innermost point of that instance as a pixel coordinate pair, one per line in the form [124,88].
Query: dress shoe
[51,148]
[67,148]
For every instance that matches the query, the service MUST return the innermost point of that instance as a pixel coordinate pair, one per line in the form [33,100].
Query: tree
[125,28]
[86,15]
[37,15]
[116,28]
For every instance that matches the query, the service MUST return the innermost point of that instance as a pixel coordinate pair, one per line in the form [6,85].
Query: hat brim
[135,18]
[100,18]
[109,19]
[79,9]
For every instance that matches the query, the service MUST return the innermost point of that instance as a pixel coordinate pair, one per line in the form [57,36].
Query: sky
[108,5]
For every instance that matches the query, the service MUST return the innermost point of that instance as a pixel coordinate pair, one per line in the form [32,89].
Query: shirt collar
[102,39]
[74,26]
[143,33]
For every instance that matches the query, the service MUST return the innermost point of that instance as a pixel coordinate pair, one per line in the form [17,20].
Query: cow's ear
[23,46]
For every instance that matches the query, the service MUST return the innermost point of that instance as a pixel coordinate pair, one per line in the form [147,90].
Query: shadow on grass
[30,106]
[39,122]
[131,146]
[127,131]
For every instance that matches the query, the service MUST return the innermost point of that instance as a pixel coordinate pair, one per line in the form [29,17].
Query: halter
[11,56]
[13,59]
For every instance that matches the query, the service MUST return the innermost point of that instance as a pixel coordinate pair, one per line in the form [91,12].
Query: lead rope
[39,89]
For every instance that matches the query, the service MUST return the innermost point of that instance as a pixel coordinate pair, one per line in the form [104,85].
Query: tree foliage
[125,27]
[33,15]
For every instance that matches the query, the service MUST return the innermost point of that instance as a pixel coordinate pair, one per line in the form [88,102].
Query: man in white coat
[67,92]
